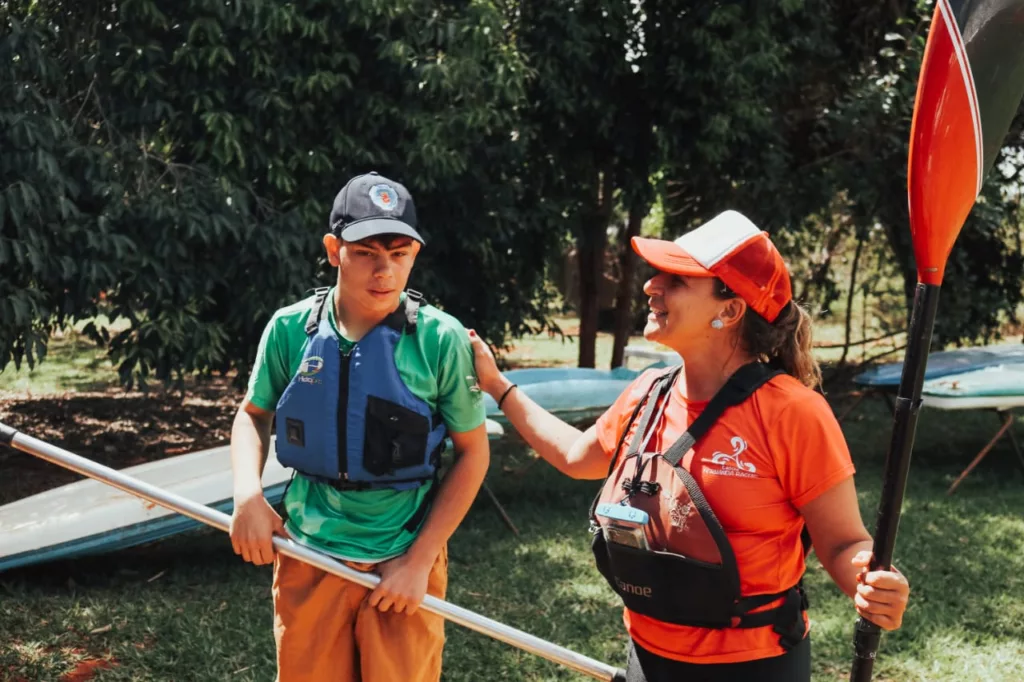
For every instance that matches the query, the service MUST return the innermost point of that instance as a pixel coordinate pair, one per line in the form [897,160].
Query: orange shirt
[775,452]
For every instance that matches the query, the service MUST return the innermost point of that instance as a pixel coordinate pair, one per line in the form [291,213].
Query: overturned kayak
[89,517]
[946,363]
[998,387]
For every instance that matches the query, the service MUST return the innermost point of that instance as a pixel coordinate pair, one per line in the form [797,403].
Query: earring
[717,323]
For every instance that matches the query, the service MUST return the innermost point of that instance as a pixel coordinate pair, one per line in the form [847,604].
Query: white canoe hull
[87,516]
[90,517]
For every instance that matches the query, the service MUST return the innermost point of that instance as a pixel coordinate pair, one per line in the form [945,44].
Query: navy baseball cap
[370,205]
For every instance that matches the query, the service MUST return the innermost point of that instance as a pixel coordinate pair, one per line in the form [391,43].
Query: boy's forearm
[250,445]
[454,498]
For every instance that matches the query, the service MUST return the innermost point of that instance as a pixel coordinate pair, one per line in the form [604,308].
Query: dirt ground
[113,427]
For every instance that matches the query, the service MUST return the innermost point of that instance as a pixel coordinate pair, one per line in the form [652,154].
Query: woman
[767,465]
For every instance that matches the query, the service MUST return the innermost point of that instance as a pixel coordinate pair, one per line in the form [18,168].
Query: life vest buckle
[790,636]
[634,486]
[789,624]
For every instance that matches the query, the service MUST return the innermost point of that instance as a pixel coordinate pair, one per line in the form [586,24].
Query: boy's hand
[403,584]
[253,524]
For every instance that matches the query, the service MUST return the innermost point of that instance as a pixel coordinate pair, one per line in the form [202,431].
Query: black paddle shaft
[897,463]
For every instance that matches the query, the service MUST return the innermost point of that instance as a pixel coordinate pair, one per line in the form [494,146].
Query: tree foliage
[823,162]
[172,163]
[177,161]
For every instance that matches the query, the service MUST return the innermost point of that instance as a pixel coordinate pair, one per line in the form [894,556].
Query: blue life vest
[348,418]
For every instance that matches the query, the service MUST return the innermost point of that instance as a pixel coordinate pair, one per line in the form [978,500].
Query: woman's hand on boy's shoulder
[490,378]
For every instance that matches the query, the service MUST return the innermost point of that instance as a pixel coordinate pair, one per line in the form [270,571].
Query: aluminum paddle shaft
[221,521]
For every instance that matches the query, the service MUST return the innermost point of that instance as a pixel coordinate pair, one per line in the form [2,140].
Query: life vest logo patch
[309,368]
[384,197]
[311,365]
[679,513]
[638,590]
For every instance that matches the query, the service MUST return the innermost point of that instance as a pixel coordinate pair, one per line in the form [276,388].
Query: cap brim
[667,256]
[373,227]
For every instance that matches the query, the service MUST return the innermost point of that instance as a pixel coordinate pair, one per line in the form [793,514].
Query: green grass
[550,350]
[72,363]
[188,609]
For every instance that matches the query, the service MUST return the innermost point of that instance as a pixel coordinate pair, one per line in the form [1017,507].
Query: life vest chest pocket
[668,587]
[395,437]
[295,432]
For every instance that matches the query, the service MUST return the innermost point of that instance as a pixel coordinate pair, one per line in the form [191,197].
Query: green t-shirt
[436,363]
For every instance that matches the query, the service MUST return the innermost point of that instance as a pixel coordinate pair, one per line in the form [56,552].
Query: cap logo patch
[384,197]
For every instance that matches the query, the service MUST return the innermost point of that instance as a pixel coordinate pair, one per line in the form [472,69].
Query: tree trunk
[849,299]
[819,273]
[624,296]
[903,251]
[592,240]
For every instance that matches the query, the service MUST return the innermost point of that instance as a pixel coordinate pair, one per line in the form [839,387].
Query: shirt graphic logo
[733,464]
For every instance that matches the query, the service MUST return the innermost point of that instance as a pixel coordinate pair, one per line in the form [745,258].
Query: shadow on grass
[198,556]
[543,582]
[961,553]
[962,557]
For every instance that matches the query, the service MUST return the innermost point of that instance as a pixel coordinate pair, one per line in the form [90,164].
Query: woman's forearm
[549,436]
[840,567]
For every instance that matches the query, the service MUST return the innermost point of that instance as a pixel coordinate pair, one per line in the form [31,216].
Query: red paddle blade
[970,87]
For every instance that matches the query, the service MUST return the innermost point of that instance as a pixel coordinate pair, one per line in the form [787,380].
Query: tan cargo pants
[326,630]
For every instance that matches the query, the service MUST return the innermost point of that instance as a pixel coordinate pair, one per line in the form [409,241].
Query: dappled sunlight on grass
[951,649]
[183,609]
[72,363]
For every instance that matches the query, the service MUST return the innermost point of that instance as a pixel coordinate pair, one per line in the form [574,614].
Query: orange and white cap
[734,250]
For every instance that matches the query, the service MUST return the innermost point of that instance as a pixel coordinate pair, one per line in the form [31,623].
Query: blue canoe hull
[945,363]
[571,393]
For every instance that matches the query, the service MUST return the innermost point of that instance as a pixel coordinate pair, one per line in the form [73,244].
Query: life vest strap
[319,305]
[786,618]
[404,318]
[740,386]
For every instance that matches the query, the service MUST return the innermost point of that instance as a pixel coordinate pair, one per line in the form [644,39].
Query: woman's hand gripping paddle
[969,89]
